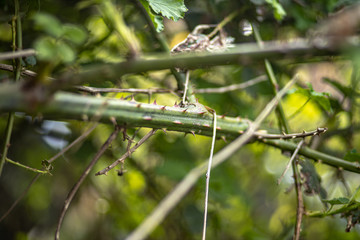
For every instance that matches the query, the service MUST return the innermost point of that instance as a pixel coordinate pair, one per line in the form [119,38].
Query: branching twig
[79,139]
[174,197]
[27,167]
[123,157]
[86,172]
[291,160]
[24,72]
[304,134]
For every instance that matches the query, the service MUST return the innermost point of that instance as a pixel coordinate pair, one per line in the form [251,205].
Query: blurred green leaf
[352,156]
[49,49]
[172,9]
[312,182]
[74,34]
[337,201]
[279,12]
[48,24]
[46,48]
[156,19]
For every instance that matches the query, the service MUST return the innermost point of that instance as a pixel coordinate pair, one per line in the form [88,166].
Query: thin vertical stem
[208,176]
[17,44]
[284,124]
[187,76]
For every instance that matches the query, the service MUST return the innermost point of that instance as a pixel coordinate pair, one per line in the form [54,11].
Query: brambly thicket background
[71,69]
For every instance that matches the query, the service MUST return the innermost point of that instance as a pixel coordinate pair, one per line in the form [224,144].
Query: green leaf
[48,24]
[74,34]
[172,9]
[45,48]
[279,12]
[65,52]
[321,98]
[156,19]
[49,49]
[312,183]
[337,201]
[352,156]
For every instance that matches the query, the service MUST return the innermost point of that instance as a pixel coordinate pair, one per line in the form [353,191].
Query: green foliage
[173,9]
[156,19]
[58,45]
[337,201]
[245,202]
[352,156]
[321,98]
[279,12]
[312,180]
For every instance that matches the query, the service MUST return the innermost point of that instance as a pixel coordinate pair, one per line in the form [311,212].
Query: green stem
[133,114]
[345,208]
[17,44]
[27,167]
[315,155]
[245,54]
[274,83]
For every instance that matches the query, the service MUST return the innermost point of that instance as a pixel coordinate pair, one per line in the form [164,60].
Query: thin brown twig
[300,202]
[79,139]
[304,134]
[86,172]
[17,54]
[20,197]
[127,154]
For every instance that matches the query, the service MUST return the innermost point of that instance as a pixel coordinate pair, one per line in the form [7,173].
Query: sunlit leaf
[321,98]
[279,12]
[156,19]
[172,9]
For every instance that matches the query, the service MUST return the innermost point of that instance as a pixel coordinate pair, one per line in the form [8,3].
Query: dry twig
[86,172]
